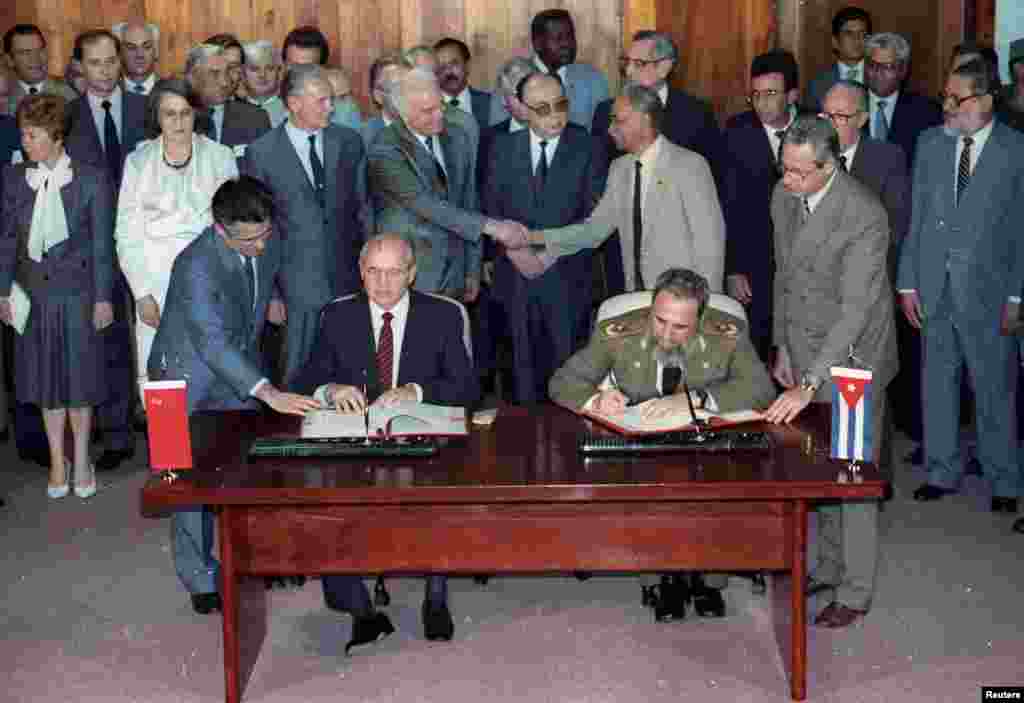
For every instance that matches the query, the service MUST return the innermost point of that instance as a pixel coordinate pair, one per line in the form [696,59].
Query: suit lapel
[452,167]
[417,155]
[992,164]
[286,146]
[233,274]
[370,359]
[406,359]
[812,236]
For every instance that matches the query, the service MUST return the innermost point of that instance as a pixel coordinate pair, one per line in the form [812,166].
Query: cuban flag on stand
[851,414]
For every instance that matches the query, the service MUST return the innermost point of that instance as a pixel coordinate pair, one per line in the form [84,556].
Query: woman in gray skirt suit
[57,246]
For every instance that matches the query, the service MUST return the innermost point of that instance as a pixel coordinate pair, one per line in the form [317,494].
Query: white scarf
[49,223]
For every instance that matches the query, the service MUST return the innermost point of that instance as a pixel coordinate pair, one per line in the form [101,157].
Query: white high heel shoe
[56,492]
[86,490]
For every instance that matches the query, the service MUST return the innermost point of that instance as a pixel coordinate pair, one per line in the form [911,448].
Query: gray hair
[889,40]
[260,52]
[119,29]
[664,47]
[378,239]
[819,133]
[859,90]
[645,100]
[416,79]
[683,284]
[198,56]
[511,74]
[297,77]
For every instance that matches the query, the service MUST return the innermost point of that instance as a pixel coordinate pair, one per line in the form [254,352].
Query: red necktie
[385,353]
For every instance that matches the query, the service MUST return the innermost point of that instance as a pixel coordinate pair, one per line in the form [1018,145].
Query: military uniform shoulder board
[720,324]
[628,325]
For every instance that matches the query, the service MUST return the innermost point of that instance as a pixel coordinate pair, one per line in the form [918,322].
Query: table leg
[798,683]
[229,598]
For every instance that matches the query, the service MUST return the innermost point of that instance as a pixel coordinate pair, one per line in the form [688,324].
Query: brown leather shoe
[836,615]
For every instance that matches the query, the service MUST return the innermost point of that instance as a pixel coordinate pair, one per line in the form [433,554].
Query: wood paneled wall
[717,38]
[933,28]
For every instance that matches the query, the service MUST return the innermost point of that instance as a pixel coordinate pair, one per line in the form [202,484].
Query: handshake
[516,238]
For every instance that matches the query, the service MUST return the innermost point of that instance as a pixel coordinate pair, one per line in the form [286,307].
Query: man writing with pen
[656,356]
[386,345]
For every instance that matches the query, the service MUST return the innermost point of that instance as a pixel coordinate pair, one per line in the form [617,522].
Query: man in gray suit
[960,271]
[25,47]
[221,286]
[832,295]
[424,186]
[384,74]
[317,173]
[231,122]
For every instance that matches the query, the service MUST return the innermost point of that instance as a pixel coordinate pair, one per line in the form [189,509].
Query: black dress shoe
[271,582]
[112,458]
[369,629]
[437,622]
[1018,526]
[915,457]
[40,458]
[927,492]
[670,598]
[973,467]
[707,601]
[582,575]
[1004,505]
[206,603]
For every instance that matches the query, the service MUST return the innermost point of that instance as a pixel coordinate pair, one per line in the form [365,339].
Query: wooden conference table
[516,497]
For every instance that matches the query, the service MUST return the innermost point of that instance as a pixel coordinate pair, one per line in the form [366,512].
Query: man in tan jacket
[660,197]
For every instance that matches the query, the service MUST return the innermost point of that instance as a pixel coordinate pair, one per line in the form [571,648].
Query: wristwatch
[809,382]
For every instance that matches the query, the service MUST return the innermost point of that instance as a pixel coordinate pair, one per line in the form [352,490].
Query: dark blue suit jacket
[749,177]
[481,107]
[433,353]
[10,142]
[84,142]
[882,167]
[912,115]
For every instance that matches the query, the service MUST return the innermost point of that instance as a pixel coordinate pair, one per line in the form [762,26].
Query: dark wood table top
[528,455]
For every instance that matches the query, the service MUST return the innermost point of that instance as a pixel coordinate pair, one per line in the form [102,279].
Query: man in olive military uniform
[645,355]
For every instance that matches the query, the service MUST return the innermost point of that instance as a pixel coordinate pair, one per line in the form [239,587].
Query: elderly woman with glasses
[164,204]
[56,274]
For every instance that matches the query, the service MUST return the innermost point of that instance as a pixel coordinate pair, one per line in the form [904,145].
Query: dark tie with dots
[111,144]
[963,171]
[318,170]
[638,229]
[385,353]
[670,378]
[250,280]
[454,103]
[33,91]
[442,177]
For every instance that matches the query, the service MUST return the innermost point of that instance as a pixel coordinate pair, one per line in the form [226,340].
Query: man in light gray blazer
[421,177]
[961,271]
[832,295]
[680,218]
[209,333]
[317,173]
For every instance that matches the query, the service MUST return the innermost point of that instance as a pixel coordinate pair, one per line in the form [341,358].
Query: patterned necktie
[638,228]
[385,353]
[442,177]
[318,171]
[33,91]
[111,144]
[963,171]
[842,163]
[250,280]
[454,103]
[670,378]
[881,123]
[139,88]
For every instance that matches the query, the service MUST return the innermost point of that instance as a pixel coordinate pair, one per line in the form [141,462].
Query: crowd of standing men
[862,221]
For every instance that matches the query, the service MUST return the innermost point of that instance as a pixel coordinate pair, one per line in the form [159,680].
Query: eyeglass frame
[627,61]
[803,176]
[957,100]
[548,109]
[884,66]
[840,117]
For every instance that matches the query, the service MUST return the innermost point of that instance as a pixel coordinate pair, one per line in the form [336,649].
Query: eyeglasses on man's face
[547,109]
[957,100]
[884,67]
[627,62]
[838,118]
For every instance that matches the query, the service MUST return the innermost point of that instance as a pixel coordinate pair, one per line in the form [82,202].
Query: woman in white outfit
[165,202]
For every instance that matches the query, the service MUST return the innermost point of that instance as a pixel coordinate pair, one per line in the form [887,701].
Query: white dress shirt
[217,115]
[436,151]
[813,199]
[851,73]
[464,98]
[300,141]
[99,115]
[647,158]
[850,154]
[543,68]
[549,149]
[515,125]
[773,139]
[132,86]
